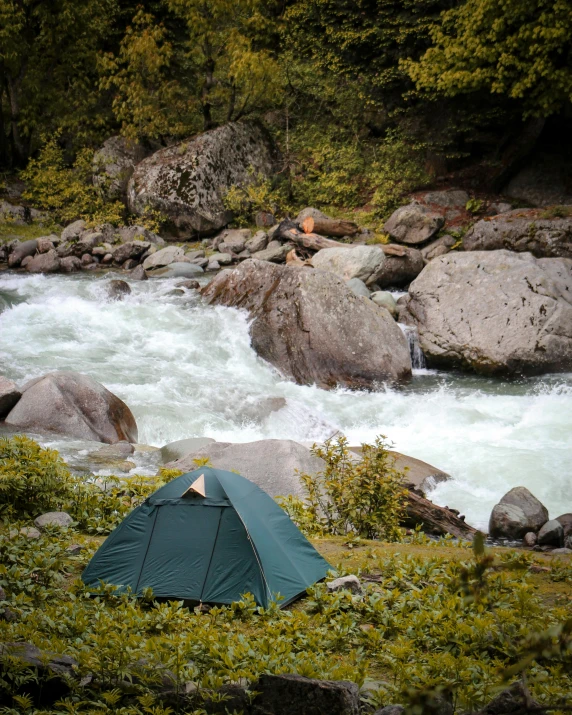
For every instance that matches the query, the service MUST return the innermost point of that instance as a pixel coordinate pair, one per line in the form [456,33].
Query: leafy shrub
[33,480]
[352,495]
[67,192]
[259,195]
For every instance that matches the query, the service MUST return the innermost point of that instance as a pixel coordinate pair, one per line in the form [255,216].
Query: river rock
[522,231]
[182,447]
[566,521]
[517,513]
[164,257]
[223,259]
[177,270]
[515,700]
[413,224]
[44,263]
[331,338]
[73,231]
[257,243]
[53,518]
[418,474]
[87,242]
[9,395]
[447,198]
[45,244]
[288,694]
[118,289]
[20,251]
[126,234]
[384,299]
[530,539]
[275,252]
[113,166]
[187,182]
[345,583]
[131,249]
[495,312]
[551,534]
[396,271]
[70,264]
[437,248]
[272,464]
[234,244]
[358,262]
[232,236]
[358,287]
[75,405]
[311,212]
[138,274]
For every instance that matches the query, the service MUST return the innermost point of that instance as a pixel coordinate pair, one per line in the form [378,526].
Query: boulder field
[312,327]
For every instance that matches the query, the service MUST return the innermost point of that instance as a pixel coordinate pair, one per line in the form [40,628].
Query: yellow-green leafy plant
[258,195]
[33,480]
[361,495]
[67,192]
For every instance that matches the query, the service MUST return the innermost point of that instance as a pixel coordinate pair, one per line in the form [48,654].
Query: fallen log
[435,519]
[290,231]
[293,259]
[329,227]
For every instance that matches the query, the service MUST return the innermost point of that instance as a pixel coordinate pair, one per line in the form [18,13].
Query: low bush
[361,495]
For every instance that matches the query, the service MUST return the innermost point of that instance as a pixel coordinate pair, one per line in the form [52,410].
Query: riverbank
[186,369]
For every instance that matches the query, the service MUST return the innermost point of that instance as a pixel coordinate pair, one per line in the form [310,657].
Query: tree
[48,77]
[520,49]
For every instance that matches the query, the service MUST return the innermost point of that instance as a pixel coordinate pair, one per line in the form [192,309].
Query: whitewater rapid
[186,369]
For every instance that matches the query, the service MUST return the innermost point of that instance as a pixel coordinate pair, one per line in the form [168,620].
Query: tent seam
[211,557]
[147,549]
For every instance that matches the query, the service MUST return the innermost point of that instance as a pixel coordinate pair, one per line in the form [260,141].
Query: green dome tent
[208,536]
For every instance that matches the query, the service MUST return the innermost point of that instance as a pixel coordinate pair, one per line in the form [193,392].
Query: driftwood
[435,519]
[293,259]
[329,227]
[289,231]
[393,249]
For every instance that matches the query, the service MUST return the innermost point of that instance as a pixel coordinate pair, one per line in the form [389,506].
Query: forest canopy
[341,83]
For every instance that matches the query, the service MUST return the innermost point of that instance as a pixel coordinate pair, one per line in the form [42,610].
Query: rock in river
[75,405]
[310,325]
[494,312]
[517,513]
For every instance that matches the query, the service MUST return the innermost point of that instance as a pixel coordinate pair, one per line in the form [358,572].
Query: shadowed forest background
[367,99]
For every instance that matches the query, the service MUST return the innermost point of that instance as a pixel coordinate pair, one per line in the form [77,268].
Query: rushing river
[186,369]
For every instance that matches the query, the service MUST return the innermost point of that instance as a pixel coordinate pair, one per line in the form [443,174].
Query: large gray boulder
[75,405]
[397,271]
[113,165]
[413,224]
[522,231]
[517,513]
[177,270]
[187,182]
[131,249]
[310,325]
[352,262]
[272,464]
[9,395]
[183,447]
[494,312]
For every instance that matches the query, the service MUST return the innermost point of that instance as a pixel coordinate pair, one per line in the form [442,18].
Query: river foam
[186,369]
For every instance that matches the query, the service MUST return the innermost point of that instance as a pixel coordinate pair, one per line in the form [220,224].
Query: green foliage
[32,480]
[356,495]
[259,195]
[510,51]
[425,624]
[474,205]
[67,192]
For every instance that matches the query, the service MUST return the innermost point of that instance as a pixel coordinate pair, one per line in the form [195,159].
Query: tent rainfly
[208,536]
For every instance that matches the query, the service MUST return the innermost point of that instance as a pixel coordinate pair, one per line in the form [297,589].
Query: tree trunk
[205,94]
[517,151]
[289,231]
[435,519]
[4,158]
[329,227]
[19,151]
